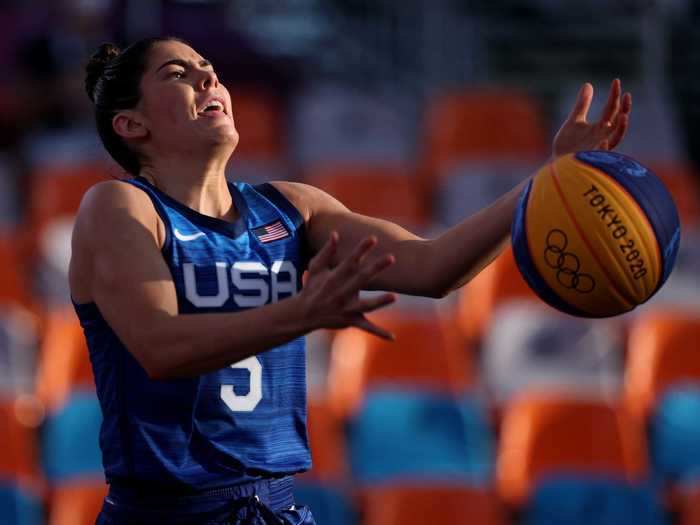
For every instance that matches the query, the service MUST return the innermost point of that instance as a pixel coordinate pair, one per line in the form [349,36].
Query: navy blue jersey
[233,425]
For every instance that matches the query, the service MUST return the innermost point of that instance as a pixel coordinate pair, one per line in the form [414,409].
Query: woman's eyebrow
[182,63]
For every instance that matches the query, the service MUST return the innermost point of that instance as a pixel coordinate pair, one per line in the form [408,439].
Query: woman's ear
[129,124]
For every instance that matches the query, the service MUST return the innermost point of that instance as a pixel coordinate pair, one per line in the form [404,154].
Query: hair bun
[96,66]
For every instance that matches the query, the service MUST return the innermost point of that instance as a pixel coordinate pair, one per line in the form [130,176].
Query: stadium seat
[571,500]
[544,436]
[19,506]
[530,346]
[324,488]
[378,191]
[662,352]
[57,192]
[408,435]
[260,118]
[427,354]
[76,503]
[482,125]
[674,436]
[478,300]
[417,386]
[689,506]
[70,453]
[19,452]
[70,439]
[454,504]
[261,154]
[662,390]
[326,442]
[683,182]
[329,502]
[64,363]
[21,487]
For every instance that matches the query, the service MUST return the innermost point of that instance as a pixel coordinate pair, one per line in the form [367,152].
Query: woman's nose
[208,80]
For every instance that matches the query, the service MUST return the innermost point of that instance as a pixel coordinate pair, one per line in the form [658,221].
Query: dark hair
[113,83]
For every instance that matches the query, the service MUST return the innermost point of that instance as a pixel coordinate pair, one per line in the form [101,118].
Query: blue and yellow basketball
[595,234]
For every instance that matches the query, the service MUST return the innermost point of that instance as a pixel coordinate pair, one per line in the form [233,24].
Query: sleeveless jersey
[236,424]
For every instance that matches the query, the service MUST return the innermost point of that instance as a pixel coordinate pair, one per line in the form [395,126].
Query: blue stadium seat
[576,500]
[409,435]
[674,435]
[328,503]
[70,439]
[19,507]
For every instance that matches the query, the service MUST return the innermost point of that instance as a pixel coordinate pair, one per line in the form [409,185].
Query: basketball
[595,234]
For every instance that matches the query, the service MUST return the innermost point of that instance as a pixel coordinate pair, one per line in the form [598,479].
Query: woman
[189,437]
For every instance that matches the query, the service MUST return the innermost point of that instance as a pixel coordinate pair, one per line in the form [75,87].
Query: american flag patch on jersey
[271,232]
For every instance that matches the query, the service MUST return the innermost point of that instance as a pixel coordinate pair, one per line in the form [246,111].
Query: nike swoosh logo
[187,237]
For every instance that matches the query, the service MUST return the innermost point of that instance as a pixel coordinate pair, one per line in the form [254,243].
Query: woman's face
[183,105]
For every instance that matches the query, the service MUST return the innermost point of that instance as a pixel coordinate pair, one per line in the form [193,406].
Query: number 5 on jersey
[248,402]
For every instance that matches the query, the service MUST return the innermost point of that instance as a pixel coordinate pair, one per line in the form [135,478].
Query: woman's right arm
[117,263]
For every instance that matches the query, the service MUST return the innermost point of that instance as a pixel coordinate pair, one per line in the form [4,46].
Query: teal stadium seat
[70,439]
[674,435]
[18,506]
[402,435]
[577,500]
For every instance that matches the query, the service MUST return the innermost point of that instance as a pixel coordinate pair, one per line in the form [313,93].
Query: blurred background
[491,408]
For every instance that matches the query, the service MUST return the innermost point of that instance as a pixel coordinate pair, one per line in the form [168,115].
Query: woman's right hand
[330,297]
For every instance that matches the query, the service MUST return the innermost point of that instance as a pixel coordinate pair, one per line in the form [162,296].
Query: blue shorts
[267,502]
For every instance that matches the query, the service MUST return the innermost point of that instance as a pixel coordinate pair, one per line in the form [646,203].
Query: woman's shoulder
[308,199]
[112,206]
[117,199]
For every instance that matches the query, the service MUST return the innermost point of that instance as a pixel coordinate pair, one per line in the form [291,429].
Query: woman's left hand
[577,134]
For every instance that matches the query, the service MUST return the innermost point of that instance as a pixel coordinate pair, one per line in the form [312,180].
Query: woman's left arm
[428,267]
[435,267]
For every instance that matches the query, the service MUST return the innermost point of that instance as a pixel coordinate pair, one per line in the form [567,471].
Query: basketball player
[189,291]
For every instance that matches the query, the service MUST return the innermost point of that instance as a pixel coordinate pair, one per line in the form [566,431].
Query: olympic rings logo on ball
[566,263]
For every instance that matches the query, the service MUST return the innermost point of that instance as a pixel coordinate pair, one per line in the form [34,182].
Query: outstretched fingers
[579,113]
[619,132]
[368,326]
[612,106]
[352,264]
[364,274]
[368,305]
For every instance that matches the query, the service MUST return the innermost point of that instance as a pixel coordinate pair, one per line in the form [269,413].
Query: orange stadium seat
[71,456]
[326,443]
[19,451]
[64,363]
[426,354]
[662,351]
[324,488]
[57,191]
[379,191]
[481,125]
[259,120]
[688,507]
[400,505]
[497,283]
[21,486]
[544,435]
[76,503]
[684,184]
